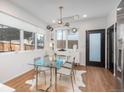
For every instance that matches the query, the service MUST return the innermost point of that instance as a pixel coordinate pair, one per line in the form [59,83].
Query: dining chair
[70,58]
[68,64]
[64,71]
[43,70]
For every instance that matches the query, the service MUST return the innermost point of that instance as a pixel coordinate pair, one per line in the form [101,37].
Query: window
[72,39]
[66,39]
[61,39]
[29,40]
[9,39]
[40,41]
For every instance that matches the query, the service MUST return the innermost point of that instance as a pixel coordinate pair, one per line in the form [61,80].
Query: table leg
[56,79]
[36,77]
[50,76]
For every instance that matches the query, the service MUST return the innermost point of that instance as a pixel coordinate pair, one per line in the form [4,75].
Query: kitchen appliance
[120,45]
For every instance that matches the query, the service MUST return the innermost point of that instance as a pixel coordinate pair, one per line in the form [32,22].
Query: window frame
[37,41]
[66,47]
[34,47]
[19,43]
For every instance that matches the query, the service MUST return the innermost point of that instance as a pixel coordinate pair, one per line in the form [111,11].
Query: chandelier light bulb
[74,30]
[59,22]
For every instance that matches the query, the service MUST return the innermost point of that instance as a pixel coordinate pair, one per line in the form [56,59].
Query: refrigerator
[120,45]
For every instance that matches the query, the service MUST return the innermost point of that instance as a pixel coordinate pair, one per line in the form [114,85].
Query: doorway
[110,48]
[95,48]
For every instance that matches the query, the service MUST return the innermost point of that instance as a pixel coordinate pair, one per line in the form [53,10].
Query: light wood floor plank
[97,79]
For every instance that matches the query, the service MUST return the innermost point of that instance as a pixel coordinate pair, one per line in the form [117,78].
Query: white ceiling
[47,10]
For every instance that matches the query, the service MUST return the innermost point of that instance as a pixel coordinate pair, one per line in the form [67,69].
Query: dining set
[58,66]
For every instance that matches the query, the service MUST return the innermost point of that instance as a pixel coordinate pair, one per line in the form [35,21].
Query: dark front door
[95,48]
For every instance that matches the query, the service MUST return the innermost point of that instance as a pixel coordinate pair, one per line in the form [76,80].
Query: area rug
[63,84]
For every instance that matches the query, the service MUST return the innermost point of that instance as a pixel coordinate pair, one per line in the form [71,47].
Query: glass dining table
[54,65]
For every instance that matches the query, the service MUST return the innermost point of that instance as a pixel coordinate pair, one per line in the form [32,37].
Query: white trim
[114,51]
[106,51]
[21,40]
[35,41]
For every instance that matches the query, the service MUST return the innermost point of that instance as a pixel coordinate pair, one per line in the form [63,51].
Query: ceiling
[47,10]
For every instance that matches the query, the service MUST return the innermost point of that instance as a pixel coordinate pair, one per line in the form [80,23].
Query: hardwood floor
[96,80]
[100,79]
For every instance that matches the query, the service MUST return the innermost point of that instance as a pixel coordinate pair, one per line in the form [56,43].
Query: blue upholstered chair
[58,62]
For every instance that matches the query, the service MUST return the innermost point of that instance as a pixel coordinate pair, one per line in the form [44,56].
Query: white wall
[10,8]
[111,19]
[112,16]
[13,22]
[16,63]
[92,24]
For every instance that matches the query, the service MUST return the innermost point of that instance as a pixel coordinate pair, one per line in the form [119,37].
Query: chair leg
[72,83]
[75,71]
[60,77]
[74,76]
[45,77]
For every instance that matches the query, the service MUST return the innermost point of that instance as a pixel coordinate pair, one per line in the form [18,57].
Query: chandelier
[61,19]
[61,23]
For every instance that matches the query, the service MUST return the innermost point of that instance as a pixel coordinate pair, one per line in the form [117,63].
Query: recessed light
[84,16]
[54,21]
[118,9]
